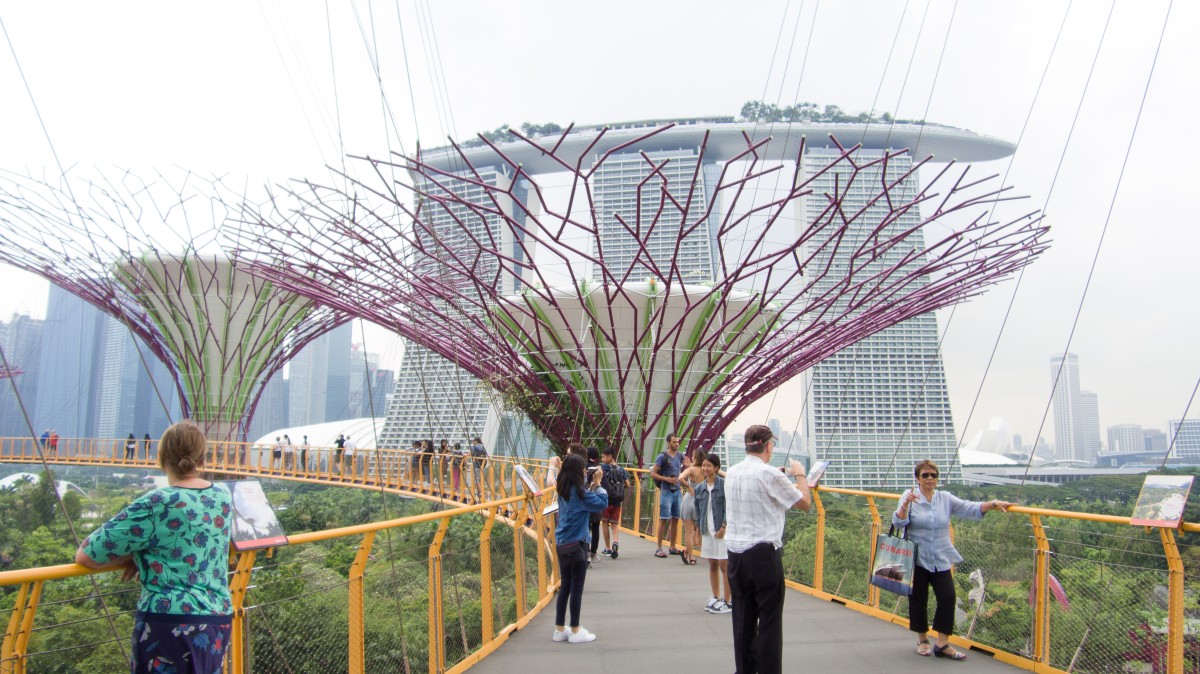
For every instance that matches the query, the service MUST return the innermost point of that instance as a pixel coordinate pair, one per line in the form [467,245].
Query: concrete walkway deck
[648,615]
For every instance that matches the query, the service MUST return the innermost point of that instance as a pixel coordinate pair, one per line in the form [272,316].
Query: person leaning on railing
[926,512]
[175,541]
[579,495]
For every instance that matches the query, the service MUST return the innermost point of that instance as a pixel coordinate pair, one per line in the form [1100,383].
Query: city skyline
[994,60]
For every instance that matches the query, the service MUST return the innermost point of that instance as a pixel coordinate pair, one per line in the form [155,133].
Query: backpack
[664,465]
[614,482]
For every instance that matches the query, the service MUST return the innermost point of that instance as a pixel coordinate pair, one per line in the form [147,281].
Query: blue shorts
[669,505]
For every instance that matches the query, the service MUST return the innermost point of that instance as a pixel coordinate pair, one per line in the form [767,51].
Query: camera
[592,471]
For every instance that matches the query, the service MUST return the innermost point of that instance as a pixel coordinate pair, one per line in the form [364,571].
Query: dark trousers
[594,527]
[756,583]
[571,590]
[918,603]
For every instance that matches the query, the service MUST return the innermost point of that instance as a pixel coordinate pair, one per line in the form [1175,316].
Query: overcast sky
[275,90]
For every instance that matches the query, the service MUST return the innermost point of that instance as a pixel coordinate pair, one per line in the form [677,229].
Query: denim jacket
[718,505]
[928,525]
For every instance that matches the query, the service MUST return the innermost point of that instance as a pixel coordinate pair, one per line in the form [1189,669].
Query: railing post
[1175,618]
[1041,576]
[637,503]
[20,624]
[10,663]
[238,585]
[819,557]
[539,526]
[358,641]
[876,529]
[437,645]
[519,558]
[487,624]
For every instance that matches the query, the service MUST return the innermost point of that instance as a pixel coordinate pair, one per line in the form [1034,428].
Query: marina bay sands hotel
[873,409]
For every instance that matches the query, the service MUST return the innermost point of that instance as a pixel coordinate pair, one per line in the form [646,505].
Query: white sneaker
[721,607]
[712,603]
[581,637]
[561,635]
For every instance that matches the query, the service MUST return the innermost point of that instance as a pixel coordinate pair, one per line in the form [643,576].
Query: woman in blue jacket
[578,498]
[926,513]
[710,522]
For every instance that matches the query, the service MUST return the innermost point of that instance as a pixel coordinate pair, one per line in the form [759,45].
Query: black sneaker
[614,550]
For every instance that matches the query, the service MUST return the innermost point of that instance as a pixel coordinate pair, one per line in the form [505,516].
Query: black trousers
[572,574]
[594,528]
[918,603]
[756,584]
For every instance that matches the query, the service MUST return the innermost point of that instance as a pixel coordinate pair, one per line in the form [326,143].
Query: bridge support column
[1175,617]
[486,606]
[876,529]
[358,641]
[238,585]
[819,557]
[1041,618]
[20,624]
[437,644]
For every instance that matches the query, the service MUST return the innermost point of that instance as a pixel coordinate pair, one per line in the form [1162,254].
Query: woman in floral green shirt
[175,540]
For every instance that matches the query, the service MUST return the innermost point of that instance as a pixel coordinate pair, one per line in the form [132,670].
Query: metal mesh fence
[72,634]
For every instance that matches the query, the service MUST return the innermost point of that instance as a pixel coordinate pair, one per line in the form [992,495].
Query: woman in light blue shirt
[926,513]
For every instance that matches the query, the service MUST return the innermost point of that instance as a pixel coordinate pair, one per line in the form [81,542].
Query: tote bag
[894,560]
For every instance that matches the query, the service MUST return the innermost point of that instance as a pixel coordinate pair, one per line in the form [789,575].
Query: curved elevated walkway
[648,615]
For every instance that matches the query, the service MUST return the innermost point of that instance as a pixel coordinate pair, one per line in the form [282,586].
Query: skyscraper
[434,398]
[69,368]
[1068,408]
[136,394]
[1089,425]
[879,406]
[21,338]
[1185,433]
[1126,438]
[319,380]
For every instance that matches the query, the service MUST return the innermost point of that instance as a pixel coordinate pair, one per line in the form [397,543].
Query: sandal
[691,561]
[949,651]
[923,649]
[659,553]
[676,552]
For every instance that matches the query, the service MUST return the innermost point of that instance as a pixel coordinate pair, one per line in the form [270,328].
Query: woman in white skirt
[710,522]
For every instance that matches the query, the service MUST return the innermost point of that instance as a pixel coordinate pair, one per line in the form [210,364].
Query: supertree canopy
[622,290]
[147,253]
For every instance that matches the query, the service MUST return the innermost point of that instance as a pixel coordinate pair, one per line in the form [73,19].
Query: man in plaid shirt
[757,496]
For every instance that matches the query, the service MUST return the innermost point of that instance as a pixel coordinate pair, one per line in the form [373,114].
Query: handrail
[395,474]
[490,491]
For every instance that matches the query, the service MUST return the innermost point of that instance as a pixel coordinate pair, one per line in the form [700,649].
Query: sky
[274,91]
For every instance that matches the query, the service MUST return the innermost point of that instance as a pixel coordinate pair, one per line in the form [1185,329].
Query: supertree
[147,252]
[587,312]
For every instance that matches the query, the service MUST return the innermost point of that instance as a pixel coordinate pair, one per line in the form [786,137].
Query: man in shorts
[614,483]
[665,474]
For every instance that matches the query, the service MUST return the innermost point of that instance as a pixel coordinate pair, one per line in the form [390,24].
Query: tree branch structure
[591,316]
[147,253]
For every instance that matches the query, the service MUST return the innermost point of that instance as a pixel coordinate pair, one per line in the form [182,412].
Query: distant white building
[1126,438]
[1186,435]
[62,485]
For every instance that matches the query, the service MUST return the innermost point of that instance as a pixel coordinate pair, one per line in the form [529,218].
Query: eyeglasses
[929,475]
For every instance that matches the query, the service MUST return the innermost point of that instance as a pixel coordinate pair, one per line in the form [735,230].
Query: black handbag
[570,553]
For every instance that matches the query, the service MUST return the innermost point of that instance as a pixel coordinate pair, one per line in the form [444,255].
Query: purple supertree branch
[112,241]
[456,233]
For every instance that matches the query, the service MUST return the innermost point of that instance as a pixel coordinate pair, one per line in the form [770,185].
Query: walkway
[648,615]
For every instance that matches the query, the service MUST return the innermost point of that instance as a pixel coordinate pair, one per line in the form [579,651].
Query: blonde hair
[181,449]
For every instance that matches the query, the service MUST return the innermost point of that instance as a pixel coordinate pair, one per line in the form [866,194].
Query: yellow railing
[1126,588]
[490,492]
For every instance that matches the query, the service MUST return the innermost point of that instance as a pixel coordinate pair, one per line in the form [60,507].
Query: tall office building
[1068,408]
[70,366]
[137,394]
[1186,435]
[1126,438]
[1156,440]
[319,380]
[435,398]
[21,338]
[618,187]
[881,405]
[1089,425]
[271,411]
